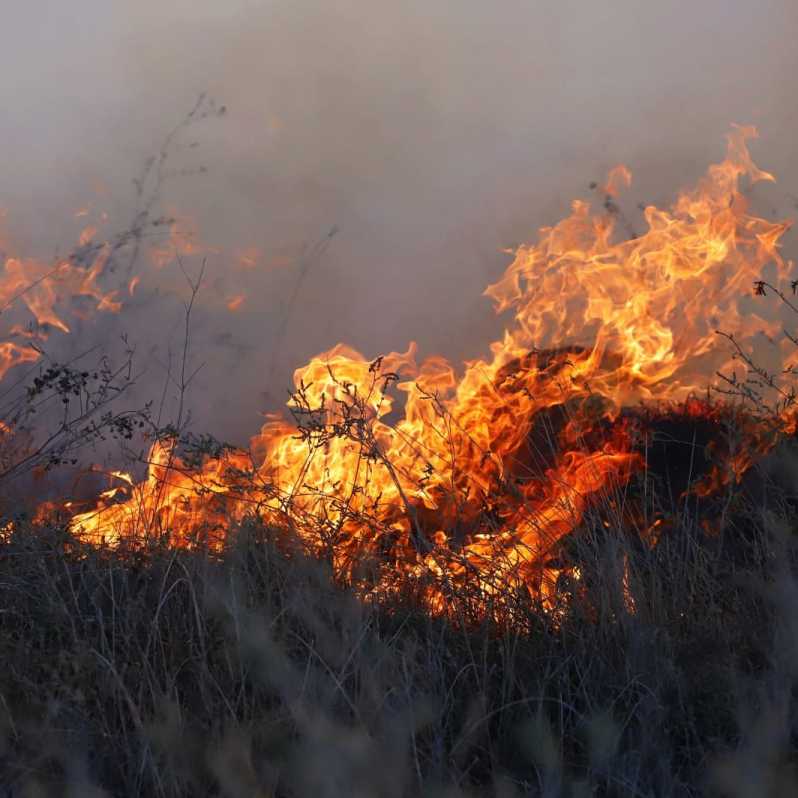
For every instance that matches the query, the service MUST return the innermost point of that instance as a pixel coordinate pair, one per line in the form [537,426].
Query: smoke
[432,134]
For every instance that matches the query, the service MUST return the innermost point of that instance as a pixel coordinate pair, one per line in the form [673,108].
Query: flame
[87,235]
[183,241]
[459,481]
[248,258]
[42,288]
[48,292]
[12,355]
[618,179]
[254,257]
[235,302]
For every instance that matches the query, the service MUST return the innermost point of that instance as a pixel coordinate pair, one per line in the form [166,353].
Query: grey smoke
[432,133]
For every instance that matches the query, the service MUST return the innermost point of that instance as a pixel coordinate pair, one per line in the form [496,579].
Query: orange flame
[235,302]
[183,241]
[458,480]
[48,291]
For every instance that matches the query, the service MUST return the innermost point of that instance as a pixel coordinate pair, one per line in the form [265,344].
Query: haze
[432,134]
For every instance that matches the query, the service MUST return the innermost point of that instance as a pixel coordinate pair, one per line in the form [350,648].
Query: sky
[432,135]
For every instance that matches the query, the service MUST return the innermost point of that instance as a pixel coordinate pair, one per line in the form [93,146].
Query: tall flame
[465,479]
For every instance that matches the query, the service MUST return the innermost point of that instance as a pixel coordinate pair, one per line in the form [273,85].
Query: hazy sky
[432,133]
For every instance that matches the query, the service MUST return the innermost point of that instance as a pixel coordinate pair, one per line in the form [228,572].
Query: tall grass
[159,672]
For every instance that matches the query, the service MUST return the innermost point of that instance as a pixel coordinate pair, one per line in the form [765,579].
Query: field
[249,672]
[567,568]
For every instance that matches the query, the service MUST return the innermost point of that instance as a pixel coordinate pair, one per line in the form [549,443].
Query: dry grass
[176,673]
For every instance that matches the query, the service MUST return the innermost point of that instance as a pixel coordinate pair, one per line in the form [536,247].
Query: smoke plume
[430,135]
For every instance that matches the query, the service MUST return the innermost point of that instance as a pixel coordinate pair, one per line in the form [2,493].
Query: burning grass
[472,482]
[562,570]
[166,672]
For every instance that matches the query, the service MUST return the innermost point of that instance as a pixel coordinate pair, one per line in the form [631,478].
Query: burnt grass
[671,671]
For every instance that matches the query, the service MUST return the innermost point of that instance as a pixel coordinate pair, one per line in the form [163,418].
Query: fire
[42,288]
[12,355]
[87,235]
[249,258]
[183,242]
[397,470]
[235,302]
